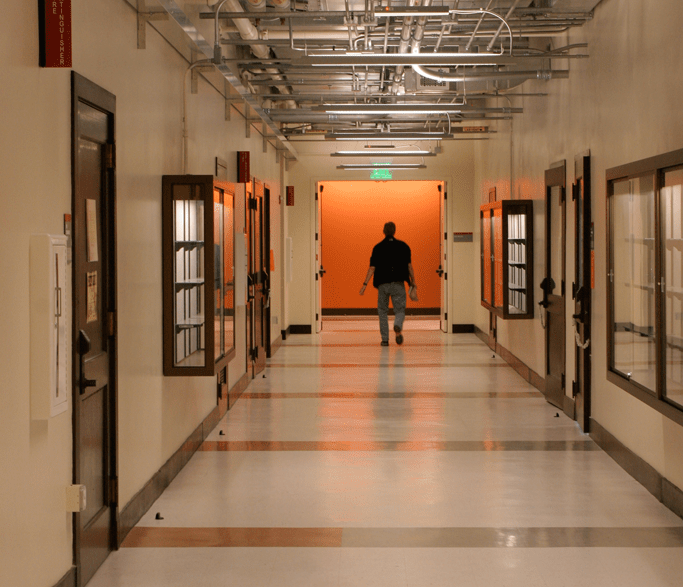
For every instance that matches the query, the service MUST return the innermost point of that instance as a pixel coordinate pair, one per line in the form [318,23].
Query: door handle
[84,347]
[322,272]
[440,271]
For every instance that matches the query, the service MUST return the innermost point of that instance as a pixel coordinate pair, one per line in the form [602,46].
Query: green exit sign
[380,174]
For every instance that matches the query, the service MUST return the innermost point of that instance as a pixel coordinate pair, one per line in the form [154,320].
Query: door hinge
[110,156]
[562,380]
[562,288]
[445,316]
[575,388]
[445,275]
[316,277]
[317,317]
[110,323]
[114,490]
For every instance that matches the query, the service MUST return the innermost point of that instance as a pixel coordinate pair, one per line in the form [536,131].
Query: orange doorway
[353,215]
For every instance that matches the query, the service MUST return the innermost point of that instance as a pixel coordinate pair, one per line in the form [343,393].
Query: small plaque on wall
[463,237]
[290,195]
[55,33]
[243,174]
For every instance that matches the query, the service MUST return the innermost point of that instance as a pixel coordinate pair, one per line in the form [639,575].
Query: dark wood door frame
[582,289]
[554,293]
[268,269]
[86,93]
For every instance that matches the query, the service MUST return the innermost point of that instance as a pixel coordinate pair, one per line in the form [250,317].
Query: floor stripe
[380,365]
[373,345]
[141,537]
[398,446]
[361,395]
[646,537]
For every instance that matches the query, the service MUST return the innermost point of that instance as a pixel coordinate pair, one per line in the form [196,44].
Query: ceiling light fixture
[393,136]
[387,11]
[389,108]
[375,152]
[366,166]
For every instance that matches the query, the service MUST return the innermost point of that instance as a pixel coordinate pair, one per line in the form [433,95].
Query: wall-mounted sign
[463,237]
[243,174]
[290,195]
[55,33]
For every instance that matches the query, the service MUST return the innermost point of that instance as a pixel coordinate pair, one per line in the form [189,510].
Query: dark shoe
[385,343]
[399,336]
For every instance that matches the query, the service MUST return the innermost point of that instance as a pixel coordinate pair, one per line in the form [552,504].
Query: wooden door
[553,285]
[582,289]
[443,260]
[94,312]
[267,268]
[319,269]
[257,278]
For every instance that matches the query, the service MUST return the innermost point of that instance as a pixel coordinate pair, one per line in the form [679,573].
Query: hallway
[430,464]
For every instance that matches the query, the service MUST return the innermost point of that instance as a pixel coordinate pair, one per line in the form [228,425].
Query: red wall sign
[55,33]
[243,175]
[290,195]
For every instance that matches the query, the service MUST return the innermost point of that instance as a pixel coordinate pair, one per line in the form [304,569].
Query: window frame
[656,166]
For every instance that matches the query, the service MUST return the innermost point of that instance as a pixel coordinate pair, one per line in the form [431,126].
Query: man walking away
[391,266]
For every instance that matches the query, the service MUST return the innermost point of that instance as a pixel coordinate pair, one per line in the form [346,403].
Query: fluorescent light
[366,166]
[406,59]
[372,153]
[383,109]
[388,136]
[386,11]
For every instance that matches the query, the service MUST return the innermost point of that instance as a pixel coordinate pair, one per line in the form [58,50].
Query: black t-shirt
[390,258]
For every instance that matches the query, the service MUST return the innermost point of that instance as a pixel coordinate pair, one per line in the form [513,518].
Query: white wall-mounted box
[289,259]
[49,325]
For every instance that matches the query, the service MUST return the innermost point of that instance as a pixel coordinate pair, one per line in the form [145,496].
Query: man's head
[389,229]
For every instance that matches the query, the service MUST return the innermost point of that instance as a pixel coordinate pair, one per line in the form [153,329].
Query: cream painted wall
[455,166]
[623,103]
[156,414]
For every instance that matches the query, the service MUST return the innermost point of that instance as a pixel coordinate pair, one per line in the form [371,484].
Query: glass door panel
[633,269]
[672,284]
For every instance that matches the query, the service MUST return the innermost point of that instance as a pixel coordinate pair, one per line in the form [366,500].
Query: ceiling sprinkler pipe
[281,4]
[403,47]
[256,5]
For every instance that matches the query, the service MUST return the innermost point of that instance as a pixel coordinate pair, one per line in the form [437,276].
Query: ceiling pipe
[403,48]
[249,32]
[502,24]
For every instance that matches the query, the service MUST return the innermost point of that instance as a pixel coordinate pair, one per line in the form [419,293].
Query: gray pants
[397,292]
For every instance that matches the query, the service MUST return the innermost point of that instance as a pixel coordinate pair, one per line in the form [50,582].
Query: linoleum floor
[429,464]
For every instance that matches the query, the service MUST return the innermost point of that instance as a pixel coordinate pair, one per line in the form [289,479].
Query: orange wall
[353,215]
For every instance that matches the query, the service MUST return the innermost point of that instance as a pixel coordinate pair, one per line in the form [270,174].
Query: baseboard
[634,465]
[286,333]
[275,346]
[68,580]
[659,486]
[528,374]
[300,329]
[569,407]
[463,328]
[238,389]
[672,497]
[483,336]
[140,503]
[373,311]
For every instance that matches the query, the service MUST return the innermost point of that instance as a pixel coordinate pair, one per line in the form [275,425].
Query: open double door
[441,271]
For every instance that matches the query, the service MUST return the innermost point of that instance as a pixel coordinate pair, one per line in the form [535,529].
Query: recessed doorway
[351,217]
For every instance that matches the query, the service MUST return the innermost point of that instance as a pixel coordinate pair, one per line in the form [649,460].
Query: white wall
[156,414]
[623,103]
[454,166]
